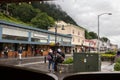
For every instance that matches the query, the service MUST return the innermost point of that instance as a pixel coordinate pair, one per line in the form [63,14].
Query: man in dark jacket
[60,58]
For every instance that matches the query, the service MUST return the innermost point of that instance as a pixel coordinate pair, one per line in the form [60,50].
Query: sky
[85,14]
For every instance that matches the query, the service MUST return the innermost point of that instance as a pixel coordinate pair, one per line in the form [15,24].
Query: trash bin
[86,62]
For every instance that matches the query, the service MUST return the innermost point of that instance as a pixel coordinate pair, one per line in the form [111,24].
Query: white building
[78,34]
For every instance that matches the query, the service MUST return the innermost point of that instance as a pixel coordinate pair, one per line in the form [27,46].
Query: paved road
[106,67]
[37,63]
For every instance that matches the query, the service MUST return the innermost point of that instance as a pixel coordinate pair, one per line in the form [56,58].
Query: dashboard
[9,72]
[94,76]
[20,73]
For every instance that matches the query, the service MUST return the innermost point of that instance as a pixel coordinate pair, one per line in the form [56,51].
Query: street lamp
[99,26]
[56,32]
[82,46]
[89,45]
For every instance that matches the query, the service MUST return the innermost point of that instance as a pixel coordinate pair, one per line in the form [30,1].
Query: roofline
[31,28]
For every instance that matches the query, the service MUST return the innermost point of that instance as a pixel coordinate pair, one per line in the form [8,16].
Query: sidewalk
[38,62]
[15,61]
[107,67]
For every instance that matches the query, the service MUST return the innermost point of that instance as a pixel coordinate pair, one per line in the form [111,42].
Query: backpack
[49,57]
[60,58]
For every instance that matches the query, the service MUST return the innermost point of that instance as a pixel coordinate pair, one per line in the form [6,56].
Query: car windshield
[60,39]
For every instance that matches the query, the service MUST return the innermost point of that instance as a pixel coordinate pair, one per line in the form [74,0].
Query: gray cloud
[85,13]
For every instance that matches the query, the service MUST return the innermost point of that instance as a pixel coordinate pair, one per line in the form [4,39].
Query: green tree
[54,11]
[104,39]
[24,12]
[3,6]
[42,20]
[87,36]
[93,35]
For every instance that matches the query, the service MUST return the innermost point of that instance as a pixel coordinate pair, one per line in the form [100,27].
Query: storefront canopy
[10,1]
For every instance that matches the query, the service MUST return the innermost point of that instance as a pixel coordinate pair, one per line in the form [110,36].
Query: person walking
[51,61]
[60,56]
[20,53]
[6,52]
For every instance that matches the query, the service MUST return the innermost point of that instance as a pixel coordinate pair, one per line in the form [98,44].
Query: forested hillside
[54,11]
[40,15]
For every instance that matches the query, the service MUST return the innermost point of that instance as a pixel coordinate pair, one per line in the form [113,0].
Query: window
[73,31]
[12,37]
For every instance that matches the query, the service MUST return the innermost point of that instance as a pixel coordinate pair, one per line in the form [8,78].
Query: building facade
[77,33]
[15,35]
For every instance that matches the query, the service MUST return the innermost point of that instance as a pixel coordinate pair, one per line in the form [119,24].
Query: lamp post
[99,29]
[56,32]
[82,46]
[89,45]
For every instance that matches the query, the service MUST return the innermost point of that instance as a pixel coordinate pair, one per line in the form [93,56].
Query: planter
[104,58]
[65,68]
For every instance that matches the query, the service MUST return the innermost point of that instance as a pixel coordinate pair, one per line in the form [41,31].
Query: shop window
[39,40]
[11,37]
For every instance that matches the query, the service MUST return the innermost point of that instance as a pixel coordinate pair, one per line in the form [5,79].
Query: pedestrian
[51,60]
[20,53]
[37,51]
[117,55]
[60,56]
[6,52]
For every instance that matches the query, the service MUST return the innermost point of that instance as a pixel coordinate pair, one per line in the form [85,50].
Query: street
[38,63]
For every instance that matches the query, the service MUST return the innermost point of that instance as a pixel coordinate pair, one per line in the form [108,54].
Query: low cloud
[85,13]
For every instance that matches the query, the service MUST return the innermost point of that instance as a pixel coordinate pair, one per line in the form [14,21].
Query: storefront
[14,35]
